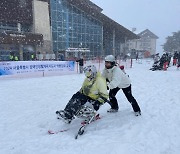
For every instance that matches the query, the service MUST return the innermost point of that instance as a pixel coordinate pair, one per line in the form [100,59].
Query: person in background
[156,58]
[169,58]
[16,58]
[11,57]
[175,57]
[137,56]
[61,57]
[178,57]
[163,60]
[32,56]
[81,64]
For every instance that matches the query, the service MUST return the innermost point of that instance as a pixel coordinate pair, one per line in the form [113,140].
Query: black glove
[96,105]
[107,81]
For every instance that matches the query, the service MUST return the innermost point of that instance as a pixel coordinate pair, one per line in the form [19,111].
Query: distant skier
[169,58]
[93,90]
[175,57]
[156,58]
[137,56]
[116,80]
[163,60]
[156,64]
[178,57]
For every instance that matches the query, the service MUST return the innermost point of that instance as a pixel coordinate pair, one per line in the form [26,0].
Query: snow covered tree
[173,42]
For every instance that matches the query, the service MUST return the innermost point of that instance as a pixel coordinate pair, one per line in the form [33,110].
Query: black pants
[127,92]
[76,103]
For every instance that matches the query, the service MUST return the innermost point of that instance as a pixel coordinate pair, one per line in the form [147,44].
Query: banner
[23,67]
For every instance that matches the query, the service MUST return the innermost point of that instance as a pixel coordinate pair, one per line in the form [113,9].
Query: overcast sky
[162,17]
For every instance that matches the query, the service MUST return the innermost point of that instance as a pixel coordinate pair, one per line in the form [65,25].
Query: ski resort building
[145,44]
[34,27]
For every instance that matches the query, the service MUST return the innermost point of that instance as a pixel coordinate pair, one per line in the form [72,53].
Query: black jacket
[81,62]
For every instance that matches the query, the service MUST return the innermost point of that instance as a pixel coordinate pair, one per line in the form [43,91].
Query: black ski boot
[65,116]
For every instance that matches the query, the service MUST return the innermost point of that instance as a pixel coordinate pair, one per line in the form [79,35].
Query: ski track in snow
[28,108]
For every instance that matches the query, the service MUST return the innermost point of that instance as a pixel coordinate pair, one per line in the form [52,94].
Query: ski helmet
[111,60]
[90,71]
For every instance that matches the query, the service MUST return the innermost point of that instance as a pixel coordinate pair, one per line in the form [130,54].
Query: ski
[83,123]
[58,131]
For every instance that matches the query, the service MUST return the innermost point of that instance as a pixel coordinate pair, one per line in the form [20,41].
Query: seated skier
[93,91]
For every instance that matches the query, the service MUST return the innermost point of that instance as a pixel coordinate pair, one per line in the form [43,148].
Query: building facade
[146,42]
[17,37]
[74,28]
[58,26]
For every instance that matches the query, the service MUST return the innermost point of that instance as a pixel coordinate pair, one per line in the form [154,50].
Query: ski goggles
[87,72]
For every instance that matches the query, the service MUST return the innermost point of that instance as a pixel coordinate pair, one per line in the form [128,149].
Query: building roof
[108,23]
[121,32]
[147,33]
[85,4]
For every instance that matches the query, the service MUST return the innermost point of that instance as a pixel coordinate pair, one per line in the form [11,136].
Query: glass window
[70,18]
[60,37]
[54,35]
[95,38]
[83,38]
[61,45]
[53,5]
[60,24]
[59,16]
[55,46]
[59,5]
[80,27]
[54,27]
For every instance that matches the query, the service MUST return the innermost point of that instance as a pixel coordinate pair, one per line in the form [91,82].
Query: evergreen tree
[173,42]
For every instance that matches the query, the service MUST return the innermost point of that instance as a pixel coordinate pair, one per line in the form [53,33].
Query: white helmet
[90,71]
[110,58]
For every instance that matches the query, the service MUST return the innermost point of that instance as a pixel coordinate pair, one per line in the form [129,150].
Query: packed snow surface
[28,105]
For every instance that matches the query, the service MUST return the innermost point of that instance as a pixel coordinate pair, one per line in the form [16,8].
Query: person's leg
[113,101]
[131,99]
[81,69]
[75,104]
